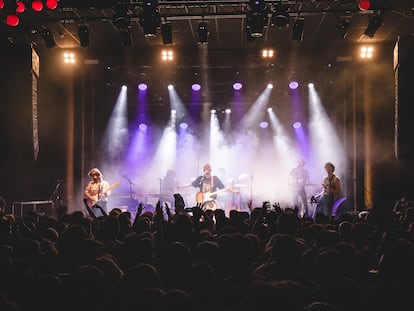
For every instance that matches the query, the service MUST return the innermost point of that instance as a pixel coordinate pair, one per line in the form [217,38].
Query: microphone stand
[130,185]
[55,196]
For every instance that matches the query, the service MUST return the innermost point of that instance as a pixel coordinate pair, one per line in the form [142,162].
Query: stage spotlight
[270,86]
[298,29]
[150,18]
[170,86]
[143,127]
[48,38]
[12,20]
[142,86]
[213,111]
[297,125]
[280,16]
[293,85]
[364,5]
[83,33]
[202,33]
[51,4]
[264,124]
[183,125]
[269,109]
[166,32]
[256,18]
[366,52]
[167,55]
[21,7]
[1,4]
[268,53]
[228,110]
[343,27]
[173,111]
[196,87]
[237,86]
[69,58]
[374,24]
[37,5]
[256,22]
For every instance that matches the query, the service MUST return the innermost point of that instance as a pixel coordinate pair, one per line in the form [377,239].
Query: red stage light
[51,4]
[20,7]
[12,20]
[364,5]
[1,4]
[37,5]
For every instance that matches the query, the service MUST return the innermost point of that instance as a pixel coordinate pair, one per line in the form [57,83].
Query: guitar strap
[212,183]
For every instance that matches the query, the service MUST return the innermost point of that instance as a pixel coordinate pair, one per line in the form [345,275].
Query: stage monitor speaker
[404,97]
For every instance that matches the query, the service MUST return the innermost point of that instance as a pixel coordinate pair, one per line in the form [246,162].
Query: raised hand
[276,206]
[140,208]
[197,211]
[250,205]
[167,209]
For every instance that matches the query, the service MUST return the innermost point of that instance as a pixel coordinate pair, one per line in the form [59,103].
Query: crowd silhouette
[267,258]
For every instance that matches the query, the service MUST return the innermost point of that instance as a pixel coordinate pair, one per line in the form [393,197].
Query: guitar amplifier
[42,208]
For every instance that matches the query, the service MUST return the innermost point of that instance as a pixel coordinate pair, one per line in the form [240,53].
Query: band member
[298,179]
[209,185]
[96,196]
[331,189]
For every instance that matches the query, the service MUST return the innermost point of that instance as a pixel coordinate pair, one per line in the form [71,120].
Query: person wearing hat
[97,192]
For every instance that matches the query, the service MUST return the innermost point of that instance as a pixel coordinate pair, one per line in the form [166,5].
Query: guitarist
[207,183]
[96,194]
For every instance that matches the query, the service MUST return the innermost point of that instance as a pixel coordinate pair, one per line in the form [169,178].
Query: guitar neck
[217,191]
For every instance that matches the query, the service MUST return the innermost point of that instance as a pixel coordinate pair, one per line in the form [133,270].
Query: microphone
[129,180]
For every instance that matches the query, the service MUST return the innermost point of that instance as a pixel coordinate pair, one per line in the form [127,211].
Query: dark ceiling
[226,22]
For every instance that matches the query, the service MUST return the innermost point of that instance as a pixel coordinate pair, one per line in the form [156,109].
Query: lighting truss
[75,10]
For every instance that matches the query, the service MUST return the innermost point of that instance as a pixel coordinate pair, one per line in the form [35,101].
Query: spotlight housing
[298,29]
[343,26]
[256,18]
[202,33]
[374,24]
[48,38]
[150,18]
[166,32]
[83,33]
[280,16]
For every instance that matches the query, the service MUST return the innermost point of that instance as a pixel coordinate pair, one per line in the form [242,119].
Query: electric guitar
[202,197]
[92,202]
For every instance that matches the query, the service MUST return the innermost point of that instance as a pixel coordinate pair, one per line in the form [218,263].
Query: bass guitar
[202,197]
